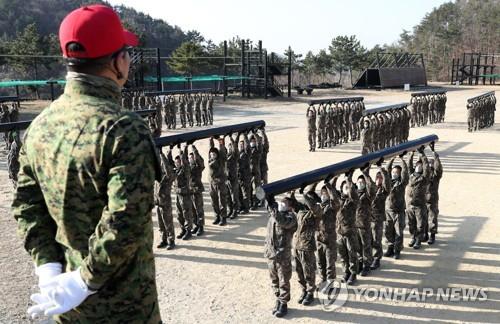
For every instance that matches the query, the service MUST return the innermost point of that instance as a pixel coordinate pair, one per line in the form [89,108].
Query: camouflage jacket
[378,202]
[396,199]
[307,224]
[280,229]
[326,226]
[163,187]
[418,184]
[197,167]
[436,173]
[85,196]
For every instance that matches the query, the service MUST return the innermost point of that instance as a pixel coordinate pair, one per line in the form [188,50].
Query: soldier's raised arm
[386,180]
[438,167]
[411,169]
[404,173]
[200,162]
[425,164]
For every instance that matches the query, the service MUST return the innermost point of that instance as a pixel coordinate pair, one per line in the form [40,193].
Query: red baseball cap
[98,29]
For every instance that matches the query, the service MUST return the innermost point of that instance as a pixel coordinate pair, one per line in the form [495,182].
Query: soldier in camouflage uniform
[197,165]
[347,243]
[197,109]
[190,110]
[244,175]
[173,112]
[326,237]
[210,110]
[416,208]
[204,112]
[183,201]
[281,225]
[232,178]
[366,193]
[395,209]
[182,111]
[163,202]
[304,243]
[5,118]
[311,128]
[255,154]
[13,158]
[432,195]
[85,191]
[321,116]
[383,186]
[263,160]
[366,136]
[217,177]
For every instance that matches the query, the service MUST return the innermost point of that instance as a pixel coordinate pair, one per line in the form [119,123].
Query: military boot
[276,307]
[195,229]
[432,239]
[308,300]
[412,242]
[417,244]
[187,236]
[352,279]
[217,220]
[170,245]
[375,264]
[347,275]
[162,245]
[182,233]
[234,214]
[389,252]
[200,231]
[282,310]
[223,221]
[302,296]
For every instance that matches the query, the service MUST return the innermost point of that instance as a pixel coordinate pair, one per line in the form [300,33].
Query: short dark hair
[87,66]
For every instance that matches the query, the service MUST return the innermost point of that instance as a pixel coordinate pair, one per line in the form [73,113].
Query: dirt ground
[222,277]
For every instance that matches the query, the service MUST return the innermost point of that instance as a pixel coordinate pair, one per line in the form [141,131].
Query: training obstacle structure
[392,70]
[191,137]
[300,181]
[475,66]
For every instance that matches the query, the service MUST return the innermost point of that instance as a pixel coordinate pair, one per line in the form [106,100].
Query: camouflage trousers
[256,182]
[377,232]
[394,229]
[311,137]
[210,116]
[190,118]
[182,115]
[218,194]
[433,213]
[234,194]
[305,266]
[197,116]
[245,193]
[204,117]
[327,255]
[365,246]
[184,211]
[347,246]
[263,174]
[417,220]
[166,222]
[198,212]
[280,271]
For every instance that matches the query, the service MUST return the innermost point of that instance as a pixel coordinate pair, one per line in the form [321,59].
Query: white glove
[61,294]
[45,273]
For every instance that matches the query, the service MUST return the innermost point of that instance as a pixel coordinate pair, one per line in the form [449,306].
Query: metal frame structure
[375,110]
[300,181]
[9,99]
[334,100]
[479,97]
[428,92]
[475,66]
[191,137]
[393,69]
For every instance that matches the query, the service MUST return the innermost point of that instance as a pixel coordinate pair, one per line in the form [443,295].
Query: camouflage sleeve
[425,166]
[404,173]
[126,219]
[438,167]
[386,180]
[35,225]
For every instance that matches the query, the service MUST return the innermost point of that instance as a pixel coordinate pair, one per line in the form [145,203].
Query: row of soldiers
[191,109]
[10,114]
[481,112]
[384,129]
[350,222]
[427,109]
[236,168]
[333,124]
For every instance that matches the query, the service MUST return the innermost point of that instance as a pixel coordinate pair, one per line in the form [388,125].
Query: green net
[14,83]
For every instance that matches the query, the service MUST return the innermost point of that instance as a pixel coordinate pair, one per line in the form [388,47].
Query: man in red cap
[85,193]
